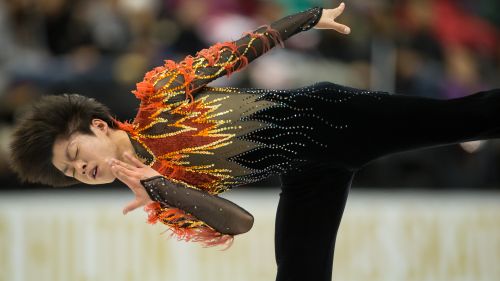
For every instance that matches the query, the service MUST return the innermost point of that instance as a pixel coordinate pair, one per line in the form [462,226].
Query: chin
[101,181]
[105,181]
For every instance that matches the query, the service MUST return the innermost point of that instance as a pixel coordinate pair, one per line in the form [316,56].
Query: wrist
[317,13]
[151,186]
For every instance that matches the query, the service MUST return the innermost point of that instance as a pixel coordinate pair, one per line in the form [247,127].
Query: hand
[327,20]
[131,174]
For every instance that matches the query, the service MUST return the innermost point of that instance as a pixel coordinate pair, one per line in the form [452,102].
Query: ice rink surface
[385,235]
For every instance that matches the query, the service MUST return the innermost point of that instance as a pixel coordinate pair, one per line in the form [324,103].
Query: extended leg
[379,124]
[309,213]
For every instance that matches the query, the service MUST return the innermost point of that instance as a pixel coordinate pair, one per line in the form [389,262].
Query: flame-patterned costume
[214,138]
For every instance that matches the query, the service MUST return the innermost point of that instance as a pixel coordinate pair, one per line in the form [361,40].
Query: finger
[132,206]
[120,174]
[342,28]
[123,165]
[134,160]
[339,10]
[126,172]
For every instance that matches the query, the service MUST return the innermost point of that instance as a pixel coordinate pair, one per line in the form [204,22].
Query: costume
[218,137]
[316,137]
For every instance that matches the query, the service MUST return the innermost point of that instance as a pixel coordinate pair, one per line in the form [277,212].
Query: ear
[100,125]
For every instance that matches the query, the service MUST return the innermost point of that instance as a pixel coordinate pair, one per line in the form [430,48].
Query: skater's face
[84,156]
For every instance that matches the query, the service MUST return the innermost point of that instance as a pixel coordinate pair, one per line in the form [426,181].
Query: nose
[81,167]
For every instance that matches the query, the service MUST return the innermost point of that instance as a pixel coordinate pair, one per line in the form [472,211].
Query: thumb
[131,206]
[338,11]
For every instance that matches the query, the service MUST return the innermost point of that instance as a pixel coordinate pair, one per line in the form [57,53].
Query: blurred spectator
[101,48]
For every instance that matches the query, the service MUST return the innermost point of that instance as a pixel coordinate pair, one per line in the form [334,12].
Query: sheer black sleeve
[293,24]
[219,213]
[259,42]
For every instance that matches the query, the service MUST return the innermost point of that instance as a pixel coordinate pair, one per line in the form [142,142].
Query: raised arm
[237,54]
[208,64]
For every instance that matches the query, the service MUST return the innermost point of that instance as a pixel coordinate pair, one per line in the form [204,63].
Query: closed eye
[74,158]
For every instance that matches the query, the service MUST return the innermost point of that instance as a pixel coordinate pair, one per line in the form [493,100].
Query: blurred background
[101,48]
[438,210]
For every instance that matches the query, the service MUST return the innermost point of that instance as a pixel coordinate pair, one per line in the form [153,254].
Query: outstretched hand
[327,20]
[131,174]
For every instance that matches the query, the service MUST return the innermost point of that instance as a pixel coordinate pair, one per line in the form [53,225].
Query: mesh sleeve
[198,206]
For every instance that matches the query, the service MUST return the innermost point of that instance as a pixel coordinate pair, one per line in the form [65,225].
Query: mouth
[94,172]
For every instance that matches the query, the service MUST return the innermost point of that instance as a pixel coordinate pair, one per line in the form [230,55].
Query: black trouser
[312,201]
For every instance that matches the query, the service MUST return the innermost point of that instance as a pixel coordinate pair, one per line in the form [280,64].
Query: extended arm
[237,54]
[224,58]
[192,73]
[219,213]
[208,64]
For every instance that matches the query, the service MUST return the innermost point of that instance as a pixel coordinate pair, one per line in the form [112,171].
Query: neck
[123,144]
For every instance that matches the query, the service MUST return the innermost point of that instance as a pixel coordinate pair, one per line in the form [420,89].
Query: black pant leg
[309,213]
[378,124]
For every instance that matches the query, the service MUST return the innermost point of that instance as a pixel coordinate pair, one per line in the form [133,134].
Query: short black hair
[51,117]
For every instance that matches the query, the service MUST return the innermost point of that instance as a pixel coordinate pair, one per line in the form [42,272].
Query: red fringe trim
[203,234]
[125,126]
